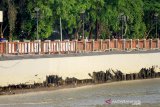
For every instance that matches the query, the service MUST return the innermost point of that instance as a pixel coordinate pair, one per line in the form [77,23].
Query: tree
[12,15]
[45,18]
[133,21]
[102,18]
[151,7]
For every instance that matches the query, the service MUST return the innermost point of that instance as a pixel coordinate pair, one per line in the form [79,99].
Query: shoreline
[49,89]
[42,89]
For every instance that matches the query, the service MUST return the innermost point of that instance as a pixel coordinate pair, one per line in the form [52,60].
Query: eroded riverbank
[55,82]
[146,91]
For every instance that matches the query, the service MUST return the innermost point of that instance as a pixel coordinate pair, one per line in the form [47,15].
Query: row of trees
[97,18]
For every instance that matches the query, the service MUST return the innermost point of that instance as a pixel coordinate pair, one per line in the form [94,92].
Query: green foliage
[44,17]
[151,7]
[102,18]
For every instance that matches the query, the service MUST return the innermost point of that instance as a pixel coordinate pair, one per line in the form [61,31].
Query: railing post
[17,46]
[93,44]
[84,45]
[131,44]
[144,43]
[107,41]
[59,46]
[48,45]
[124,44]
[43,47]
[101,45]
[28,46]
[1,48]
[157,44]
[37,46]
[67,46]
[116,43]
[6,47]
[109,44]
[150,43]
[76,45]
[137,44]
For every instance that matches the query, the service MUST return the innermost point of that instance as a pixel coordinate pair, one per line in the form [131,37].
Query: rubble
[96,77]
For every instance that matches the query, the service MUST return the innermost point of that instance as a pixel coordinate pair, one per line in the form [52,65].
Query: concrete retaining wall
[35,70]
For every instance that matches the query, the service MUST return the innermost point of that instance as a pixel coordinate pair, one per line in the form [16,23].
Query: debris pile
[96,77]
[53,80]
[117,75]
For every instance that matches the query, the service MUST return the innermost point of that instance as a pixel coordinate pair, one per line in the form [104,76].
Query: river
[137,93]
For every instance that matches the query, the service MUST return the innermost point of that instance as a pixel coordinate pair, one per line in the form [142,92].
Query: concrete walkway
[19,57]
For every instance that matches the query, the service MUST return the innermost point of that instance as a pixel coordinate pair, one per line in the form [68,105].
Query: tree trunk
[126,27]
[12,15]
[90,33]
[97,29]
[10,36]
[76,35]
[90,30]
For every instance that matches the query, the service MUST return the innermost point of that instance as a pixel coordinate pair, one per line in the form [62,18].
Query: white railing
[66,46]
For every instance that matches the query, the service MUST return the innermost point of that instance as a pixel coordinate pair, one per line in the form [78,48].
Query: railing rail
[66,46]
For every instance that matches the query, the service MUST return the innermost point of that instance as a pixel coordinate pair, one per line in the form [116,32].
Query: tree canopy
[98,19]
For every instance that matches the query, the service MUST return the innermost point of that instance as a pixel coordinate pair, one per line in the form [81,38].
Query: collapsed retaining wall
[35,70]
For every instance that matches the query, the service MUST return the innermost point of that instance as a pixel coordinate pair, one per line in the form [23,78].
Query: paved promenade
[36,56]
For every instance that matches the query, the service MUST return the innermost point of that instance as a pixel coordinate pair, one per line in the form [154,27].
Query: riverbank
[55,82]
[41,89]
[67,87]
